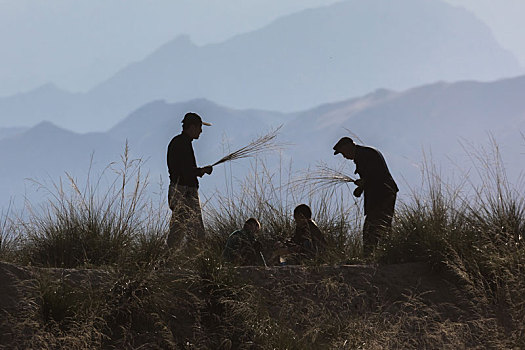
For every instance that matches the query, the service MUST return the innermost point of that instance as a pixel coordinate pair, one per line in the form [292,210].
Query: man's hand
[206,170]
[359,189]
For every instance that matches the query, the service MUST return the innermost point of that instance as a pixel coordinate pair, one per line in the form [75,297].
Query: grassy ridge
[140,295]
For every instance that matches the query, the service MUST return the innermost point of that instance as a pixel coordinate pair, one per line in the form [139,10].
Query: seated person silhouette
[307,242]
[242,247]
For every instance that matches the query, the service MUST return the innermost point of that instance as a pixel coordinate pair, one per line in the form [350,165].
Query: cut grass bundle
[323,178]
[262,144]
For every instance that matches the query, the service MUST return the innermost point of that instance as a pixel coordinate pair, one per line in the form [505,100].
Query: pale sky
[79,43]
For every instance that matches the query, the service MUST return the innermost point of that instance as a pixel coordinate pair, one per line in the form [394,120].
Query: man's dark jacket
[181,162]
[378,182]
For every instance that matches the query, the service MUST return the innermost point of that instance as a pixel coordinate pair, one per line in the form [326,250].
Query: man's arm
[371,169]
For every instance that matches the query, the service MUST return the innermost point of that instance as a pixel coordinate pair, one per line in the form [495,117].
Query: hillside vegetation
[90,269]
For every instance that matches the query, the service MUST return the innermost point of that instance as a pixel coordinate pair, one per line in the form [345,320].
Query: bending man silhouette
[379,188]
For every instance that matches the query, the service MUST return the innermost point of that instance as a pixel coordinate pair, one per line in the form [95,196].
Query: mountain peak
[48,87]
[180,44]
[48,128]
[183,39]
[46,124]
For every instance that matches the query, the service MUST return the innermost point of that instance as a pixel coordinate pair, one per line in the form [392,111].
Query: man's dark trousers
[378,221]
[186,224]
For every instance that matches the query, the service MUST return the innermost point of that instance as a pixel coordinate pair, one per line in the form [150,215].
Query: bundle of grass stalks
[262,144]
[323,178]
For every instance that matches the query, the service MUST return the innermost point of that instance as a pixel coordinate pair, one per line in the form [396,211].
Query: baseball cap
[343,141]
[193,118]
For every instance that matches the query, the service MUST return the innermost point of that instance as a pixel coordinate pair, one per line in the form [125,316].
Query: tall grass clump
[97,224]
[8,239]
[433,218]
[493,267]
[474,231]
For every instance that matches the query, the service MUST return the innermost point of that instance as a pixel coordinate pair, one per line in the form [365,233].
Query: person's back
[372,168]
[242,247]
[182,167]
[310,240]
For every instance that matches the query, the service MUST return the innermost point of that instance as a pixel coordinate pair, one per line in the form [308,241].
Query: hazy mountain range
[78,44]
[433,117]
[295,63]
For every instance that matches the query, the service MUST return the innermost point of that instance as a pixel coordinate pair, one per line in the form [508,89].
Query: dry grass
[321,179]
[138,295]
[7,237]
[262,144]
[96,224]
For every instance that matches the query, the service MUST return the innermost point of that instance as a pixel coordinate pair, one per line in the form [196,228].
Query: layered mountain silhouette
[437,118]
[295,63]
[453,126]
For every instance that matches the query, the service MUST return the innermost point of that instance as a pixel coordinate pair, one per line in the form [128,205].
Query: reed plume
[322,178]
[262,144]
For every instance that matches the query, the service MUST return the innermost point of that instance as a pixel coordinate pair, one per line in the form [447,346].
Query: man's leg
[388,213]
[186,224]
[378,223]
[370,233]
[179,217]
[195,222]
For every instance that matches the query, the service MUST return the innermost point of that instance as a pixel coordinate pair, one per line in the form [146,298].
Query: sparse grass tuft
[79,226]
[475,234]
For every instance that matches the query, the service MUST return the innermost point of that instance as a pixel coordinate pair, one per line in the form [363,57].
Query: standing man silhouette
[378,186]
[186,225]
